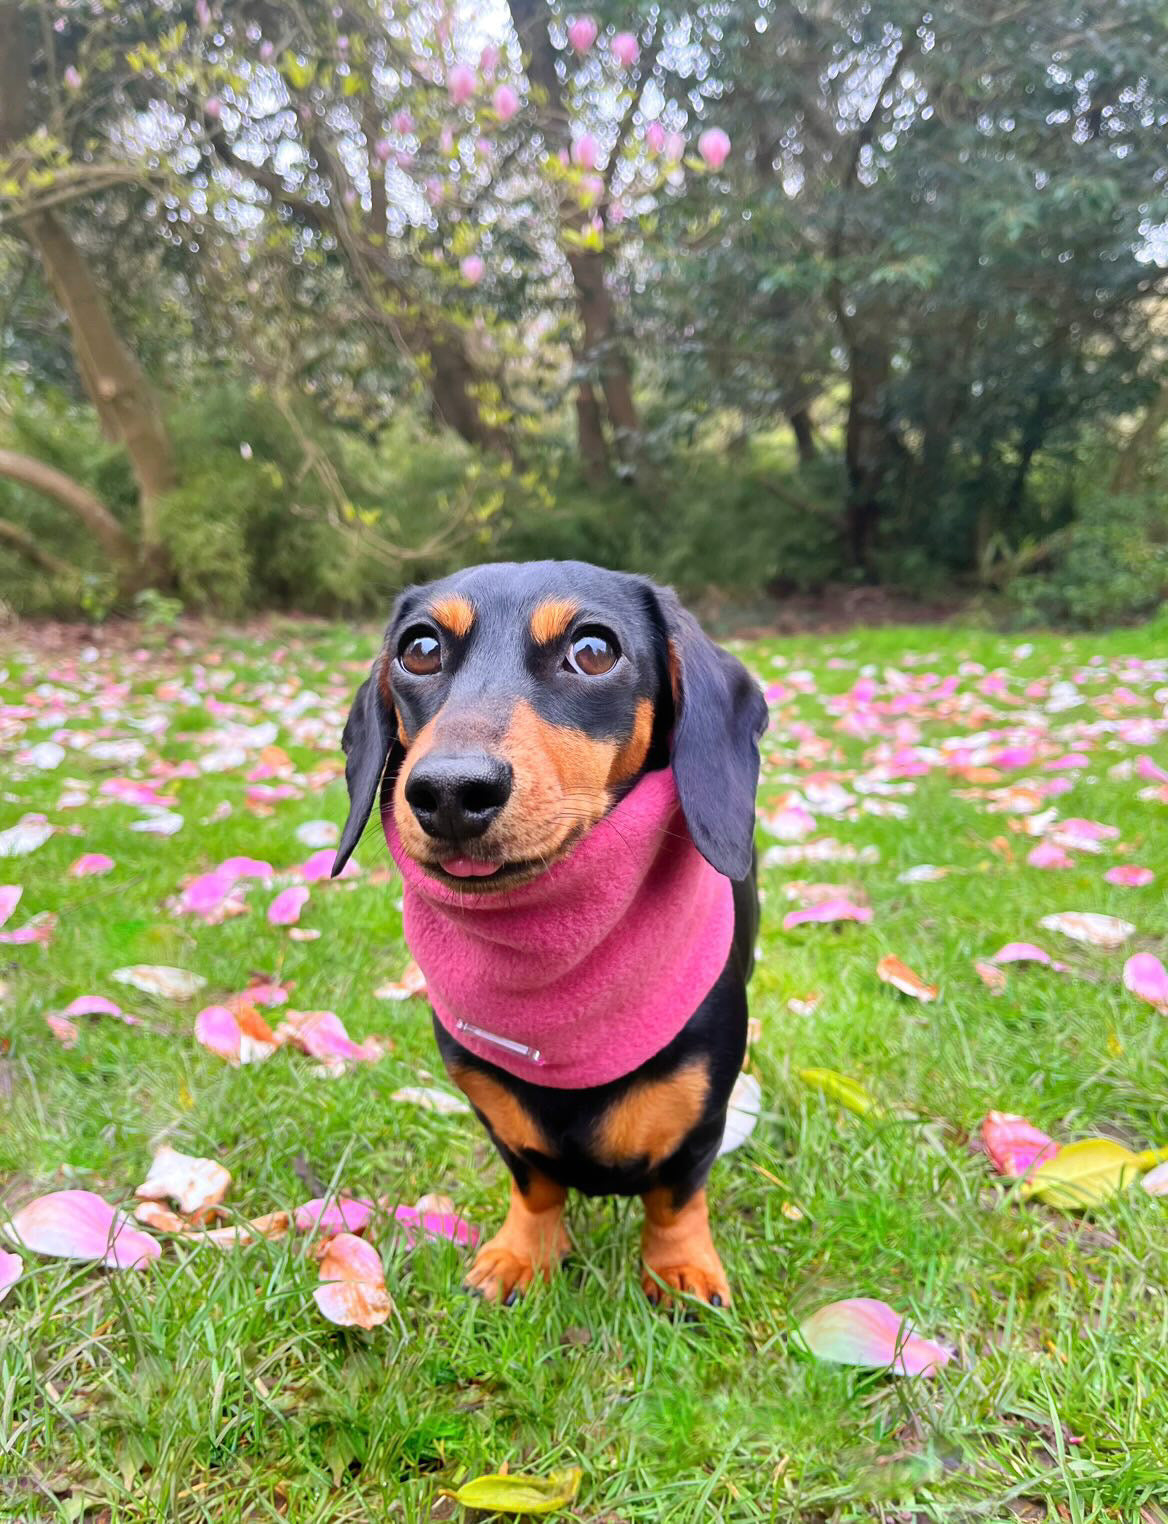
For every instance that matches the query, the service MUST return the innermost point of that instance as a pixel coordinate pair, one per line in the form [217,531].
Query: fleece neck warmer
[590,969]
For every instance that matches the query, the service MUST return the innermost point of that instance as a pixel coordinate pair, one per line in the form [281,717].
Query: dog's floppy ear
[369,743]
[719,716]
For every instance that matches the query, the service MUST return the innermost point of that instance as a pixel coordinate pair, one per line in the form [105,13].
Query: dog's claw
[716,1300]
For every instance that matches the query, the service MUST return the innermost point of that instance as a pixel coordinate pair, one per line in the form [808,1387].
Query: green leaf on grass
[1083,1174]
[520,1494]
[848,1092]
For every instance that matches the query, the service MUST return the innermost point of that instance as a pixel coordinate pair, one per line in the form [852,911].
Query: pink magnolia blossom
[72,78]
[382,150]
[488,60]
[402,122]
[267,51]
[472,269]
[446,140]
[654,137]
[460,84]
[674,146]
[505,102]
[80,1225]
[625,50]
[213,108]
[714,147]
[585,151]
[582,34]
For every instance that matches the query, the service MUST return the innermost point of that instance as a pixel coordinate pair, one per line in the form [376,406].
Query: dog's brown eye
[592,653]
[420,653]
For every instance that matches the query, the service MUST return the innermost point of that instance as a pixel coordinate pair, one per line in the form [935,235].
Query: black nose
[457,797]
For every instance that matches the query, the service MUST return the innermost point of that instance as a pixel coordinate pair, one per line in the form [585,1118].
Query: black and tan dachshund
[511,710]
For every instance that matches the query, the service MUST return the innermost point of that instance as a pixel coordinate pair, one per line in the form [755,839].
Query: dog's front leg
[677,1249]
[531,1242]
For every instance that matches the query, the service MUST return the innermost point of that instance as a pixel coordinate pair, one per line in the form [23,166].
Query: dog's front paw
[503,1268]
[706,1281]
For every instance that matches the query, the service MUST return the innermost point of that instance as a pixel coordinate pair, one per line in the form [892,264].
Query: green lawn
[209,1387]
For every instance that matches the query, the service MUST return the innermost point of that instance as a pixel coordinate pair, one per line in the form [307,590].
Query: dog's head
[512,705]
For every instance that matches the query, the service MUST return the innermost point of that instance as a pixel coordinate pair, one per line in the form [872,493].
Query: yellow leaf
[838,1087]
[1083,1174]
[520,1494]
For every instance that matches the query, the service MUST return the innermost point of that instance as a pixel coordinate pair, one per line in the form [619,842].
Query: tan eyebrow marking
[551,619]
[455,614]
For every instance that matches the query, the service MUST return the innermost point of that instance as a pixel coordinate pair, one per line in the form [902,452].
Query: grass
[209,1388]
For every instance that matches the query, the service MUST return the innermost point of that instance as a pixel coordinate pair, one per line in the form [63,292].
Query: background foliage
[302,303]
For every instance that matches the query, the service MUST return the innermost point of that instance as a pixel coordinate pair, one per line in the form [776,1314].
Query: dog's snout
[455,798]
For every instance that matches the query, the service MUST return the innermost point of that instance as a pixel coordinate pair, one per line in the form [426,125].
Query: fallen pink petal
[91,865]
[1014,1145]
[286,907]
[865,1332]
[322,1035]
[65,1031]
[827,911]
[1145,976]
[81,1225]
[352,1283]
[192,1183]
[1129,876]
[417,1222]
[11,1267]
[1047,855]
[334,1214]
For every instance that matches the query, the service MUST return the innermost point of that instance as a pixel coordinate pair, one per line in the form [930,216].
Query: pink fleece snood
[583,974]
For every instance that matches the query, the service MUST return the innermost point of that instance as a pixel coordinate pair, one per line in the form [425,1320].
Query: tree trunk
[603,349]
[452,379]
[32,550]
[868,451]
[590,433]
[1138,452]
[117,385]
[800,420]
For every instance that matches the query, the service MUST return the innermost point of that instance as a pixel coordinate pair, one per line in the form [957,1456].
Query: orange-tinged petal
[352,1283]
[193,1184]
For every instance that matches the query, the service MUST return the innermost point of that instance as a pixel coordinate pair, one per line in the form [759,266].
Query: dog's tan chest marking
[653,1119]
[514,1127]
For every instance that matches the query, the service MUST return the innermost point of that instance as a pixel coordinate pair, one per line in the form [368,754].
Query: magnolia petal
[431,1099]
[1014,1145]
[286,907]
[1047,855]
[91,864]
[322,1035]
[161,1218]
[827,911]
[81,1225]
[416,1221]
[332,1214]
[65,1031]
[240,1235]
[892,971]
[411,983]
[742,1113]
[29,833]
[193,1184]
[1023,952]
[992,977]
[318,833]
[246,867]
[219,1032]
[11,1268]
[866,1332]
[1130,876]
[1144,975]
[352,1291]
[98,1005]
[9,899]
[1155,1182]
[160,981]
[1089,927]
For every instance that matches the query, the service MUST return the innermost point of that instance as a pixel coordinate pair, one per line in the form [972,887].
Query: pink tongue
[467,867]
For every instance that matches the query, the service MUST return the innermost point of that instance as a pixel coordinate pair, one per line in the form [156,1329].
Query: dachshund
[565,767]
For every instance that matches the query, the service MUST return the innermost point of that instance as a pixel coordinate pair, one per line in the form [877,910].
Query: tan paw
[499,1274]
[705,1282]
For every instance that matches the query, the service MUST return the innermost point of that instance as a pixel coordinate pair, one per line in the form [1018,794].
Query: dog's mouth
[491,875]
